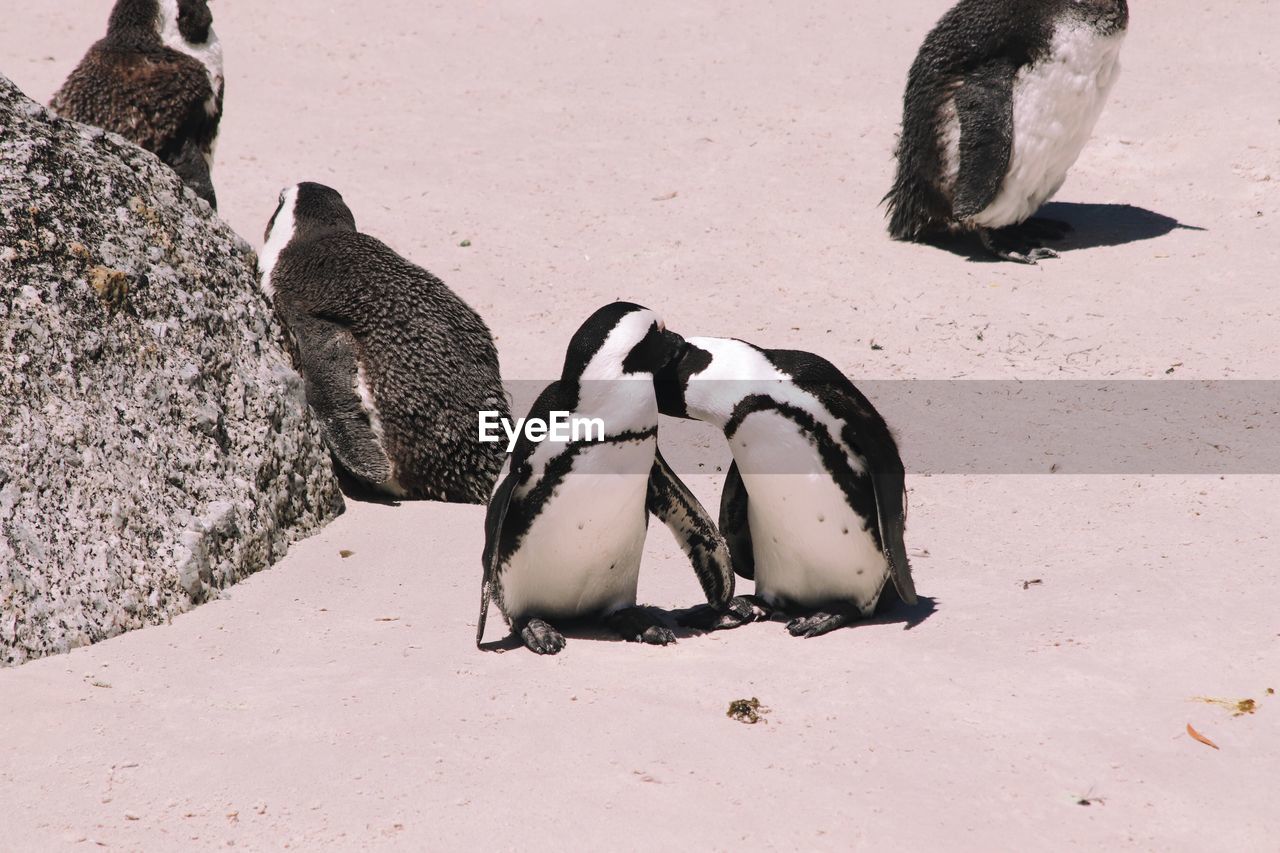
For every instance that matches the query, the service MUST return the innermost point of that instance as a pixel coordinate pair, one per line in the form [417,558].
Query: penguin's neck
[624,403]
[737,370]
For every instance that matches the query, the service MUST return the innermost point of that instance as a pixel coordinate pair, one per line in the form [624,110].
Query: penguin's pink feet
[740,610]
[1013,243]
[821,623]
[540,637]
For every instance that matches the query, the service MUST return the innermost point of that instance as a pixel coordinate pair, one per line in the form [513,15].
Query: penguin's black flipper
[193,168]
[984,104]
[494,518]
[327,359]
[734,525]
[671,500]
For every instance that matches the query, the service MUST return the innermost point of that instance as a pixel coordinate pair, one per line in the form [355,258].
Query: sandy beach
[721,163]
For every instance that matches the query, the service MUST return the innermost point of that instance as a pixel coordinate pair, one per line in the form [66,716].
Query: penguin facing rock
[155,79]
[814,504]
[566,525]
[999,103]
[397,368]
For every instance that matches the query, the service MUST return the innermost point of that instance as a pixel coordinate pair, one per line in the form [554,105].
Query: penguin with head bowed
[814,504]
[396,367]
[155,79]
[566,524]
[1000,101]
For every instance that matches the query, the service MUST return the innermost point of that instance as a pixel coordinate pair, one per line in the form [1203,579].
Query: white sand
[289,714]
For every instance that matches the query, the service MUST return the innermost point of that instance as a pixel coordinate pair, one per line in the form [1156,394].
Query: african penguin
[566,524]
[999,103]
[155,79]
[814,504]
[396,367]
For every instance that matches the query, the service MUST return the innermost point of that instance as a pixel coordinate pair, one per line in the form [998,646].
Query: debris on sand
[1237,707]
[747,710]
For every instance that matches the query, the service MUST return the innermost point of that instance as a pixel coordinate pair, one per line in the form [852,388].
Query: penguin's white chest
[1056,103]
[810,547]
[581,556]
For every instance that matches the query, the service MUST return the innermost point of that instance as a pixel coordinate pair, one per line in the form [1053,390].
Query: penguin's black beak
[668,383]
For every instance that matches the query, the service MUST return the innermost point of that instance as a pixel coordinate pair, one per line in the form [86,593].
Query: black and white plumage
[155,79]
[566,525]
[814,504]
[396,366]
[1000,100]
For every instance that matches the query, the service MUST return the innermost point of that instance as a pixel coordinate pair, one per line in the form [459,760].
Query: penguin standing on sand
[814,505]
[566,525]
[155,79]
[999,103]
[397,368]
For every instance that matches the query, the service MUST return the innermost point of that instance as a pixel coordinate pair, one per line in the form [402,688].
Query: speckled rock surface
[155,446]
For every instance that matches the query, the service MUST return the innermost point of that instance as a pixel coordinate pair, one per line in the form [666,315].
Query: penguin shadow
[909,616]
[592,630]
[1093,226]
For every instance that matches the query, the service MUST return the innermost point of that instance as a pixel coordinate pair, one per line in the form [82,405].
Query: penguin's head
[308,210]
[672,382]
[1105,16]
[622,340]
[304,211]
[187,20]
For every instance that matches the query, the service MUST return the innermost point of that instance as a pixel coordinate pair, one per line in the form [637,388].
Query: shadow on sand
[583,629]
[1094,225]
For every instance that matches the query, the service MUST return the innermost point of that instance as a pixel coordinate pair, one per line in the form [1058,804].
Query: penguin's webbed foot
[820,623]
[638,625]
[740,610]
[540,637]
[1013,243]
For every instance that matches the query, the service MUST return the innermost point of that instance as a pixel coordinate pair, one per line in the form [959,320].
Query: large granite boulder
[155,445]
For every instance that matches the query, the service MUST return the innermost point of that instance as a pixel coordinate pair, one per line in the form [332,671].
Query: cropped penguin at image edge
[566,526]
[156,79]
[1000,101]
[396,366]
[814,503]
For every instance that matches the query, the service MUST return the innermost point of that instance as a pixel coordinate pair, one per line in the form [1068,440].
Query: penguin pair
[1000,101]
[155,79]
[813,507]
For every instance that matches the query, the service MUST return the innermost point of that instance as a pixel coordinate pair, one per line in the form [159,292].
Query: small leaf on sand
[666,197]
[1204,740]
[344,553]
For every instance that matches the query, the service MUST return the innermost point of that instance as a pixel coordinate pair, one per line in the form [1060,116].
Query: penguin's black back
[968,38]
[428,357]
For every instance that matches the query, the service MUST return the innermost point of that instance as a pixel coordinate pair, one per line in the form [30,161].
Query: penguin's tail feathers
[912,207]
